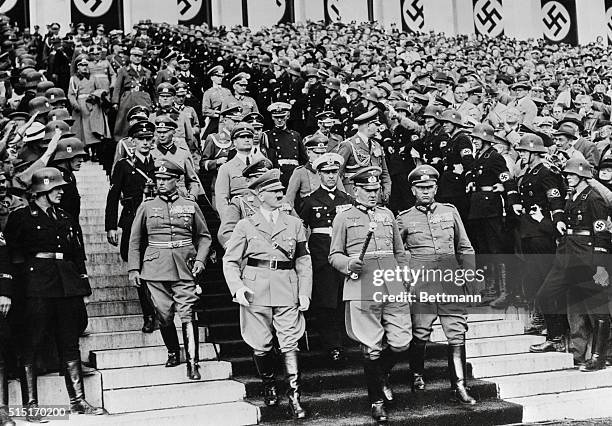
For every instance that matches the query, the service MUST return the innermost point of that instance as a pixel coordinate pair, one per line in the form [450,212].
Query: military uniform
[436,239]
[270,259]
[398,146]
[381,326]
[6,290]
[173,234]
[212,103]
[318,212]
[286,151]
[181,156]
[230,182]
[217,145]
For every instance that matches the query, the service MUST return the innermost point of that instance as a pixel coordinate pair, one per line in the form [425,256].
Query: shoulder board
[62,212]
[300,167]
[404,211]
[452,206]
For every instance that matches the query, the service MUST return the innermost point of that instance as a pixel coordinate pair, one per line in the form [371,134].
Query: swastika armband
[302,249]
[553,193]
[466,151]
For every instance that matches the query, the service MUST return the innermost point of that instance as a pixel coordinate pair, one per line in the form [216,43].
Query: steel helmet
[45,179]
[579,167]
[532,143]
[452,116]
[69,148]
[484,132]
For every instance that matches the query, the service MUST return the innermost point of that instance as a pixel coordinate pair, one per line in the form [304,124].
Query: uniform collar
[170,198]
[164,150]
[364,208]
[427,208]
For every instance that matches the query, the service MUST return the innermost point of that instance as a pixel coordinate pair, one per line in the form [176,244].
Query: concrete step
[139,357]
[93,229]
[52,390]
[111,255]
[101,309]
[95,238]
[92,248]
[120,323]
[91,220]
[551,382]
[483,329]
[109,281]
[105,269]
[109,294]
[511,365]
[501,345]
[577,405]
[227,414]
[157,375]
[125,340]
[172,396]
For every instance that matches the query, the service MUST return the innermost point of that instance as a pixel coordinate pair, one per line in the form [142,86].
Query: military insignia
[342,208]
[414,137]
[551,193]
[466,151]
[379,217]
[442,144]
[376,152]
[503,177]
[391,150]
[46,181]
[343,111]
[372,179]
[68,149]
[163,169]
[599,225]
[318,215]
[579,217]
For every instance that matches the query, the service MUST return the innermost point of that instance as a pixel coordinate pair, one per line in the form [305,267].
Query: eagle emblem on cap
[163,169]
[424,177]
[46,181]
[372,179]
[68,149]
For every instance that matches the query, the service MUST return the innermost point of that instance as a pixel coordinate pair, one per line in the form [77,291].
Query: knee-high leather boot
[389,359]
[76,391]
[191,342]
[292,369]
[374,372]
[29,393]
[5,419]
[171,341]
[416,356]
[457,366]
[265,369]
[599,349]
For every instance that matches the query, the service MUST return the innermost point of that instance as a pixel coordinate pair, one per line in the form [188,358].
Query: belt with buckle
[170,244]
[486,188]
[322,230]
[583,232]
[49,255]
[288,163]
[270,264]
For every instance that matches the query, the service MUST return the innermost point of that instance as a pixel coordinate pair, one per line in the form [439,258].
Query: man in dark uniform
[578,278]
[542,198]
[488,180]
[173,234]
[381,326]
[68,158]
[6,294]
[458,156]
[193,82]
[318,212]
[337,104]
[435,237]
[213,100]
[285,150]
[355,108]
[326,121]
[132,177]
[48,239]
[268,270]
[314,100]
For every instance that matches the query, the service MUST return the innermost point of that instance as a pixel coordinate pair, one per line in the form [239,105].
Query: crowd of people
[328,152]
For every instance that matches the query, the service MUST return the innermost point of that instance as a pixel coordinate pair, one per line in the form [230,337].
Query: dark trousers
[401,197]
[66,318]
[539,254]
[329,323]
[5,337]
[145,301]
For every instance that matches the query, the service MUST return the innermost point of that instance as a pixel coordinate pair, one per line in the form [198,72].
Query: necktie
[51,213]
[248,160]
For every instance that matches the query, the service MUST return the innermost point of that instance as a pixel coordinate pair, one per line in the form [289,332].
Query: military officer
[355,108]
[337,104]
[458,155]
[314,99]
[187,114]
[578,278]
[213,100]
[179,153]
[286,150]
[361,150]
[48,240]
[230,181]
[131,178]
[542,197]
[240,83]
[133,86]
[125,147]
[435,237]
[327,123]
[192,81]
[382,327]
[488,181]
[218,146]
[318,212]
[173,234]
[260,141]
[244,204]
[68,158]
[268,270]
[305,179]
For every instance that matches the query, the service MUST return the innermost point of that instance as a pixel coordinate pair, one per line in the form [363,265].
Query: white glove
[561,227]
[244,296]
[536,213]
[304,303]
[518,209]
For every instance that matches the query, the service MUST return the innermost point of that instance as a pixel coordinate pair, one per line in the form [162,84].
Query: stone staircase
[128,377]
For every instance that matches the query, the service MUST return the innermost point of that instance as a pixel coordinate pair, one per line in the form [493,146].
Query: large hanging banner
[345,11]
[489,17]
[559,18]
[265,13]
[194,12]
[18,11]
[413,18]
[94,12]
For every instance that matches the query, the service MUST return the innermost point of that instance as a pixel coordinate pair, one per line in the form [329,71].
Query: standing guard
[318,212]
[132,181]
[435,237]
[173,234]
[268,270]
[382,328]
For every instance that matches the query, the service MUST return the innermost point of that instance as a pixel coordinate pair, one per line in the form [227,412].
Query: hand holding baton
[371,229]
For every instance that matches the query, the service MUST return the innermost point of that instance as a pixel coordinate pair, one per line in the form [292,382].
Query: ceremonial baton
[371,229]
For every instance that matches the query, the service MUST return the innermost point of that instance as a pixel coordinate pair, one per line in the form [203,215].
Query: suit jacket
[253,238]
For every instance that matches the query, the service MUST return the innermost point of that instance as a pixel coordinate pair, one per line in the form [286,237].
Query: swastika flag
[94,12]
[489,17]
[413,18]
[559,21]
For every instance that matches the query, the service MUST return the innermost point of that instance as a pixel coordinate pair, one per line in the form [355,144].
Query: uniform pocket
[151,256]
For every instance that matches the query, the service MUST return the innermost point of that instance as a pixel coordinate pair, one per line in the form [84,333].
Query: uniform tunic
[79,90]
[132,87]
[435,237]
[180,155]
[458,151]
[286,151]
[211,106]
[229,183]
[303,182]
[240,206]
